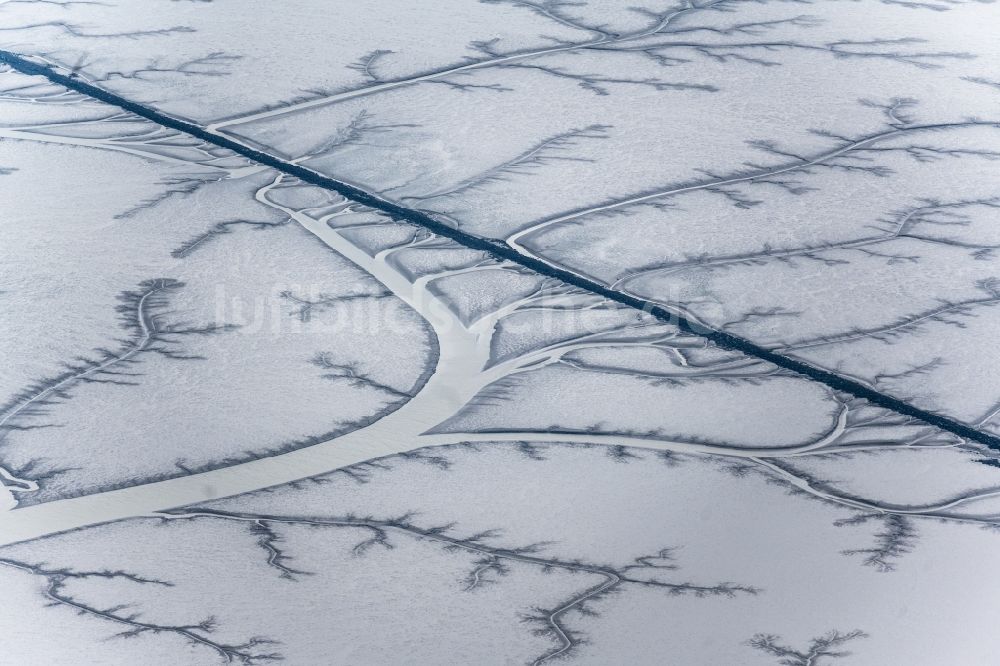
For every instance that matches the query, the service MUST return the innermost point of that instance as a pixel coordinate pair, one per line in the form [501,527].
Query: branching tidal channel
[502,250]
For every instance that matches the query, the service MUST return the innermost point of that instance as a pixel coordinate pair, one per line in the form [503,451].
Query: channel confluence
[502,250]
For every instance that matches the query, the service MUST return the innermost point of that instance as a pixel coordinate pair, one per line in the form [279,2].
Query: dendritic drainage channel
[502,250]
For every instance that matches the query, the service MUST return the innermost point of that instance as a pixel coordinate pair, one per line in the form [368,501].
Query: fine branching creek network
[500,332]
